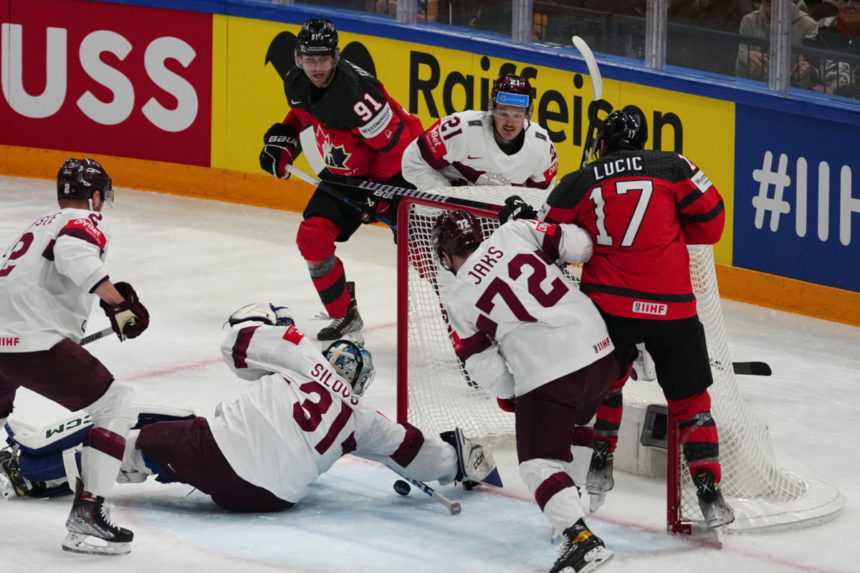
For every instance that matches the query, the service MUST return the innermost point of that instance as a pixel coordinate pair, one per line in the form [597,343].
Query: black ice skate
[714,507]
[349,323]
[581,551]
[599,479]
[90,527]
[11,480]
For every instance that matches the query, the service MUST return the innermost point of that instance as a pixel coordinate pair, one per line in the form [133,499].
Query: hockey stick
[596,93]
[752,368]
[96,336]
[454,507]
[384,191]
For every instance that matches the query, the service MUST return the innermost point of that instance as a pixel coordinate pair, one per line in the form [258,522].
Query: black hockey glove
[129,318]
[516,208]
[280,148]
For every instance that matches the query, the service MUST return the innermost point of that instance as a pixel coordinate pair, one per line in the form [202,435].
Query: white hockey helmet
[264,312]
[352,362]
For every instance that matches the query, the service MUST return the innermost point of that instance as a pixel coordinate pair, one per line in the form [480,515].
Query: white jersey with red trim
[461,149]
[47,276]
[518,322]
[297,418]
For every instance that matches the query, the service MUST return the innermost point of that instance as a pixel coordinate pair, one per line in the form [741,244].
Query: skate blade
[89,545]
[593,559]
[596,558]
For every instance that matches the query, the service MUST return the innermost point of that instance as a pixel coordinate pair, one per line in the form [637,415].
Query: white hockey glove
[475,464]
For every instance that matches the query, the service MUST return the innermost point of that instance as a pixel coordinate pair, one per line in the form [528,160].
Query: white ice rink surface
[193,262]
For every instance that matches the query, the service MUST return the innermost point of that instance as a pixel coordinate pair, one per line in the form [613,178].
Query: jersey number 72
[500,288]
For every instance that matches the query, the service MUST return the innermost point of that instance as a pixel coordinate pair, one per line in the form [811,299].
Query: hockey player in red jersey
[50,277]
[530,338]
[642,208]
[360,131]
[496,147]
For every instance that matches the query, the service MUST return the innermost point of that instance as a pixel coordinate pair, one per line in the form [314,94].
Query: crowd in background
[728,37]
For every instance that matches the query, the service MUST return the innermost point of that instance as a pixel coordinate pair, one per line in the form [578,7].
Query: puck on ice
[402,487]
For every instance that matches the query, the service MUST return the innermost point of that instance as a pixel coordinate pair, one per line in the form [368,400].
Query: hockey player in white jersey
[532,339]
[496,147]
[299,414]
[50,276]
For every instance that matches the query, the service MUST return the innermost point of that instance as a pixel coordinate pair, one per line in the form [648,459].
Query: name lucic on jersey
[616,167]
[480,269]
[325,375]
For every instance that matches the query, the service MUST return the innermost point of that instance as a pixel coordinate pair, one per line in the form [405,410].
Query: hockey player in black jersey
[360,131]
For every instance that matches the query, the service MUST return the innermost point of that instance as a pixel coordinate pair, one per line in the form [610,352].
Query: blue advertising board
[797,197]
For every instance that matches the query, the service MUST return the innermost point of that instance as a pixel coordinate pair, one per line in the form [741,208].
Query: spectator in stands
[711,14]
[819,9]
[839,34]
[752,61]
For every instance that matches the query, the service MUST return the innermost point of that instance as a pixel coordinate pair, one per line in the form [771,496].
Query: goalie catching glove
[129,318]
[280,148]
[474,463]
[516,208]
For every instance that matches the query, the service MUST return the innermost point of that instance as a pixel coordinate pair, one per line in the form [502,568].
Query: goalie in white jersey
[527,335]
[496,147]
[50,276]
[300,413]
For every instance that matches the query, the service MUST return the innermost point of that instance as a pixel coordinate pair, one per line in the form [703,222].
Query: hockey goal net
[435,393]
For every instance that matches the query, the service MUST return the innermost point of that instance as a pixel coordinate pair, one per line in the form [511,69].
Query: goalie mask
[81,178]
[352,362]
[263,312]
[456,233]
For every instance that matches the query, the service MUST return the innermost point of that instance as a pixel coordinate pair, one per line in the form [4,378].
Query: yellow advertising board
[432,81]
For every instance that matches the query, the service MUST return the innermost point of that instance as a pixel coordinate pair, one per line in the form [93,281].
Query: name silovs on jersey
[338,386]
[616,167]
[482,268]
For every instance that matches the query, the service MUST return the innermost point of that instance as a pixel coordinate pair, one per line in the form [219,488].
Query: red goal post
[435,393]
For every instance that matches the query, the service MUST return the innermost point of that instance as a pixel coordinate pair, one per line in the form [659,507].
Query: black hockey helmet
[456,233]
[80,178]
[317,37]
[622,129]
[513,90]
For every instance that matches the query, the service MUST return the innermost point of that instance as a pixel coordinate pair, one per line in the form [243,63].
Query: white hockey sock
[102,453]
[554,491]
[100,460]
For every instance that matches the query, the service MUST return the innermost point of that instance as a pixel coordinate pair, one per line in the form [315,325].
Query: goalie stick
[453,507]
[596,93]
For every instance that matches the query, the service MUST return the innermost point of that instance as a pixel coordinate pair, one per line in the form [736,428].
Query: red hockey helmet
[513,90]
[456,233]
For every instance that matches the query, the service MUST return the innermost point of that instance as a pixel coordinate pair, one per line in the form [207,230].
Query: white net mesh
[440,395]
